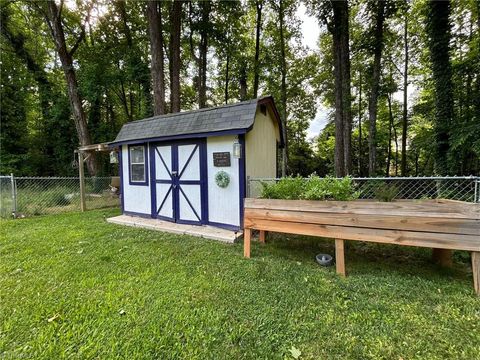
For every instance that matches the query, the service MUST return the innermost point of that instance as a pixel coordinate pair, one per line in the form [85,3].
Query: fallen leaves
[296,353]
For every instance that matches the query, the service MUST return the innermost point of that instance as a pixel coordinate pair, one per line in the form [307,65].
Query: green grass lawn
[73,285]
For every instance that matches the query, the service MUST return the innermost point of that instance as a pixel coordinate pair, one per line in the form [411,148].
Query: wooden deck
[444,225]
[203,231]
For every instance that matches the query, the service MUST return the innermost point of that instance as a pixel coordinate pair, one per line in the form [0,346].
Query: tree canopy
[399,82]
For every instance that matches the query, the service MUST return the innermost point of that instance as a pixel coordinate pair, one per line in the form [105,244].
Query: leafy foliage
[289,188]
[311,188]
[386,192]
[112,63]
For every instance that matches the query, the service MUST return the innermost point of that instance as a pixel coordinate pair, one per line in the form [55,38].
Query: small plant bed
[75,286]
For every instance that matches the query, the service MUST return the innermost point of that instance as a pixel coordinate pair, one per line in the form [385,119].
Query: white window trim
[130,158]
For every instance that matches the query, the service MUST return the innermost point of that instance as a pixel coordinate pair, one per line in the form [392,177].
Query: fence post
[14,195]
[476,196]
[81,173]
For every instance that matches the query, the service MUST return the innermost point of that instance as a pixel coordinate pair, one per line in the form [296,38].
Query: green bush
[386,192]
[52,197]
[312,188]
[55,197]
[97,185]
[290,188]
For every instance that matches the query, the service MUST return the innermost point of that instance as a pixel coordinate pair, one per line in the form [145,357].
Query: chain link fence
[453,188]
[30,196]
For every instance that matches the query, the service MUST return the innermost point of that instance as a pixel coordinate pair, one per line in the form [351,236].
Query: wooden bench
[443,225]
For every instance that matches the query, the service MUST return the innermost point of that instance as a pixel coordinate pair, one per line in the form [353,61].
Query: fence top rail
[52,177]
[391,178]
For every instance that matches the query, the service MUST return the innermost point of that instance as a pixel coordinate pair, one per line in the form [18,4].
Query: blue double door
[179,181]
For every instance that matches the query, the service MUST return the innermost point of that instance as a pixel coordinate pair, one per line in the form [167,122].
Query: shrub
[312,188]
[98,185]
[330,188]
[289,188]
[56,198]
[386,192]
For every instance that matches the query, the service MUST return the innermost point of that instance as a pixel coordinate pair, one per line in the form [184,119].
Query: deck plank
[425,208]
[412,223]
[398,237]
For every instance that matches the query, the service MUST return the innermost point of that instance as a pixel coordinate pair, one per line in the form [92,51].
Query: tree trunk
[476,96]
[154,15]
[346,89]
[243,83]
[438,30]
[283,88]
[390,132]
[343,111]
[372,105]
[227,75]
[120,5]
[395,138]
[405,98]
[55,22]
[417,158]
[205,7]
[175,62]
[336,49]
[360,146]
[259,6]
[144,81]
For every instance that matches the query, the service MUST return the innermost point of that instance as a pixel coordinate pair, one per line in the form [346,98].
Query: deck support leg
[261,236]
[476,271]
[247,234]
[443,257]
[340,256]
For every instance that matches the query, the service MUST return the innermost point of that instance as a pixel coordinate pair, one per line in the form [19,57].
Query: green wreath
[222,179]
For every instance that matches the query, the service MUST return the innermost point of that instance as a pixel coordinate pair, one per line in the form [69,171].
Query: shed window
[138,172]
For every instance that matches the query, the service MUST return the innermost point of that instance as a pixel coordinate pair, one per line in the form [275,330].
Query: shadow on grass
[363,258]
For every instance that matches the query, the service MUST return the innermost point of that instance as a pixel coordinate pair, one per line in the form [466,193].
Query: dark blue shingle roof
[239,116]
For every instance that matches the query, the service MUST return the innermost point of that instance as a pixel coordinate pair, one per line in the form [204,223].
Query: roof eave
[179,137]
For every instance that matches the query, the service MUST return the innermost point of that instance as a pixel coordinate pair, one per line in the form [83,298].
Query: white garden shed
[191,167]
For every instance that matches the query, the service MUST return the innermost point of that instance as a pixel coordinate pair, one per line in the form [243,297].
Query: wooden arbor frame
[83,153]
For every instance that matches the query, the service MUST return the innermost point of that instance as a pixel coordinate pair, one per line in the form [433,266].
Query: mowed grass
[74,286]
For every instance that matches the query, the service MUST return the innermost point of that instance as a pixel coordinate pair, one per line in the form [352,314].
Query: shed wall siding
[223,204]
[136,198]
[261,146]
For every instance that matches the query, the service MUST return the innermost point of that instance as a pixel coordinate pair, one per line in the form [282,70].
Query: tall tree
[258,29]
[243,82]
[154,15]
[280,10]
[360,112]
[375,86]
[438,30]
[17,42]
[174,56]
[405,96]
[343,114]
[346,88]
[335,15]
[134,62]
[199,19]
[53,16]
